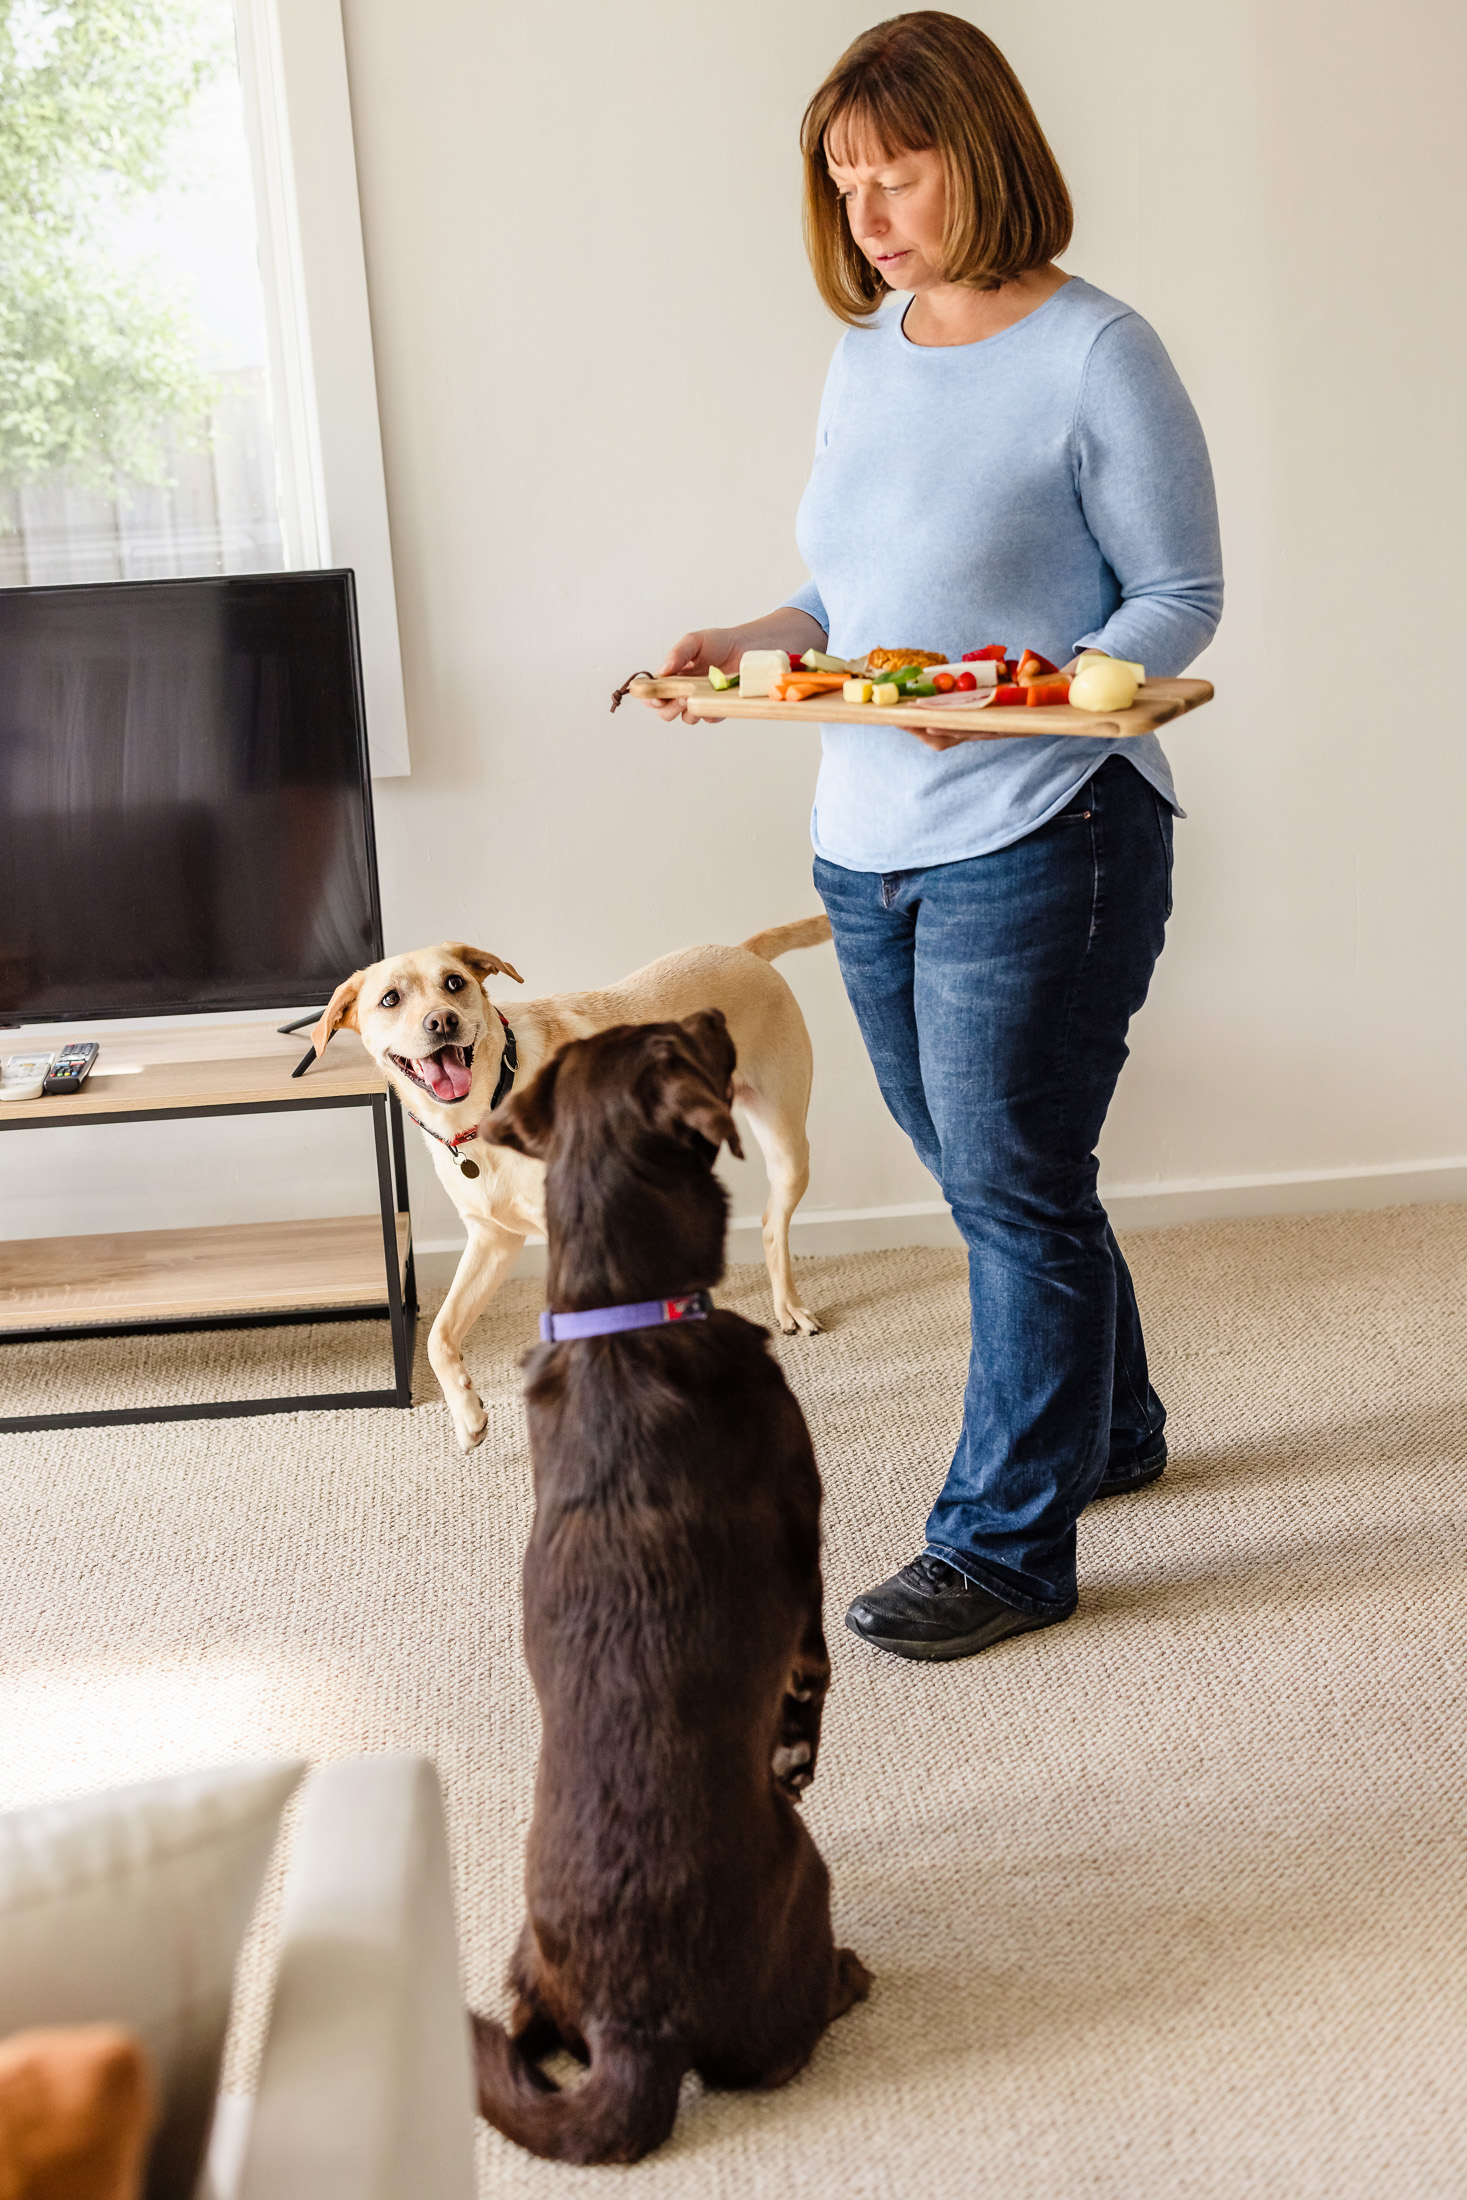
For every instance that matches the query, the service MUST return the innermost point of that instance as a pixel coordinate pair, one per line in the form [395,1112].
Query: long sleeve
[1145,485]
[808,599]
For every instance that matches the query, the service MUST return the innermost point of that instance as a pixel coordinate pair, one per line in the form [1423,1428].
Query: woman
[1006,455]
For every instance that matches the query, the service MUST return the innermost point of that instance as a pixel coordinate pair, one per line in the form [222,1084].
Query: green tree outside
[95,360]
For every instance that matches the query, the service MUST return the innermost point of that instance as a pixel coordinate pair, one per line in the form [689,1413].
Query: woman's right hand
[697,653]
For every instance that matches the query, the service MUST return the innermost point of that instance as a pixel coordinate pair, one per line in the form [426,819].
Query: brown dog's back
[679,1913]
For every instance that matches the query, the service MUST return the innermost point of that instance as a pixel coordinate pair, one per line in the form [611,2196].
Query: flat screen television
[185,799]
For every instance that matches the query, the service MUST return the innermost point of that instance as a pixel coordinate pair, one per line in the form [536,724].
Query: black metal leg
[397,1312]
[399,1160]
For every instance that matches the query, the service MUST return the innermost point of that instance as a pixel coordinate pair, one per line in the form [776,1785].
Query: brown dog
[679,1912]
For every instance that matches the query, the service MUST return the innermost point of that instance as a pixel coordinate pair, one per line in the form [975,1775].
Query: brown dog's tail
[780,938]
[625,2108]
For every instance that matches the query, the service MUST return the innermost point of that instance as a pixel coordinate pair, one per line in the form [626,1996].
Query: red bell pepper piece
[1010,695]
[1034,667]
[992,653]
[1040,692]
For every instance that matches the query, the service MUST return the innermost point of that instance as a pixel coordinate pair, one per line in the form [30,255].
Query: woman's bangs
[872,123]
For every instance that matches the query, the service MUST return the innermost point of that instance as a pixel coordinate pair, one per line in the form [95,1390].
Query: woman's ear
[526,1119]
[340,1010]
[480,961]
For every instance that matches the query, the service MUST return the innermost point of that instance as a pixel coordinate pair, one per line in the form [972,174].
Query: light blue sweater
[1049,486]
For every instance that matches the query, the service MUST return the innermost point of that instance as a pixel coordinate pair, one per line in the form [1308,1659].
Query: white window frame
[322,377]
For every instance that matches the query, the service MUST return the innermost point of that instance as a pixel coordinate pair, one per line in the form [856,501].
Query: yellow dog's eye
[389,1000]
[453,983]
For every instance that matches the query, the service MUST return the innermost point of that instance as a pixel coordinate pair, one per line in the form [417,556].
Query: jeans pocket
[1164,824]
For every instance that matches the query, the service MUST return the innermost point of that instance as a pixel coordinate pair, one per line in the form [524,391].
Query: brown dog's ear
[695,1095]
[340,1010]
[709,1032]
[480,961]
[526,1119]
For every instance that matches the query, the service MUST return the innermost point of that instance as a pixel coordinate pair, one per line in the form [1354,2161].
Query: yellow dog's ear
[340,1009]
[480,961]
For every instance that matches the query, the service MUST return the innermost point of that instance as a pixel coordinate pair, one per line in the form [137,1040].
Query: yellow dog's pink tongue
[448,1074]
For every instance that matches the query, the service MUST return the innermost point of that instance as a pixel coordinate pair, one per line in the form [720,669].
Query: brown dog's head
[628,1124]
[630,1085]
[422,1017]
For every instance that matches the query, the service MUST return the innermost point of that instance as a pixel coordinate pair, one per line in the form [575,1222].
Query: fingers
[682,657]
[675,709]
[934,737]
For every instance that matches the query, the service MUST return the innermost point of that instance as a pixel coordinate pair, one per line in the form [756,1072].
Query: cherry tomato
[965,681]
[944,682]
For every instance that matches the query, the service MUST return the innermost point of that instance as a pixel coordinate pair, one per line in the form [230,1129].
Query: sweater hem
[1012,831]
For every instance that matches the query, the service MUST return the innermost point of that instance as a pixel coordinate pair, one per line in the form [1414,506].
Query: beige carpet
[1164,1902]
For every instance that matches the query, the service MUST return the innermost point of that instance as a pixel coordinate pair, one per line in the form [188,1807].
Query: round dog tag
[469,1168]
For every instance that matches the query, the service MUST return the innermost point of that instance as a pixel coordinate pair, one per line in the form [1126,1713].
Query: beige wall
[599,357]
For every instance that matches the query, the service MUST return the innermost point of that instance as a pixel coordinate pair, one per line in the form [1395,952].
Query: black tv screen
[185,805]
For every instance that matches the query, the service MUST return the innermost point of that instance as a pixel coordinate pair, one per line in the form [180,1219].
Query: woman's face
[896,206]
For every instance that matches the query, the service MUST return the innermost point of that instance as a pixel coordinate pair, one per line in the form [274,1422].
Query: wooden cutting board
[1158,701]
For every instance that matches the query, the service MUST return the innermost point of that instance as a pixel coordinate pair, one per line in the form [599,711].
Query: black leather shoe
[930,1610]
[1132,1470]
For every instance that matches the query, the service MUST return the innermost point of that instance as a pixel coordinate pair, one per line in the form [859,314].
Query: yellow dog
[428,1024]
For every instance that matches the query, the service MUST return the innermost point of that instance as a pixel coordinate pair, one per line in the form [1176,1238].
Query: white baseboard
[1290,1192]
[1130,1206]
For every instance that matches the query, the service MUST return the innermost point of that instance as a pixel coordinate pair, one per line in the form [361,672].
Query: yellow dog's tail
[780,938]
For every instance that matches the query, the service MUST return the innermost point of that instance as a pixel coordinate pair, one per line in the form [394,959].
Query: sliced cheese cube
[760,668]
[886,693]
[857,691]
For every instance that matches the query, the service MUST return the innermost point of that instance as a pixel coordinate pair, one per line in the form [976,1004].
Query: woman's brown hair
[932,80]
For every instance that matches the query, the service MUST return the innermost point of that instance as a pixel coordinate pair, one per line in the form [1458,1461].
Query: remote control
[71,1068]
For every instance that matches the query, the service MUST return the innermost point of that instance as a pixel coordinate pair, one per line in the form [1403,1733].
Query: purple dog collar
[605,1321]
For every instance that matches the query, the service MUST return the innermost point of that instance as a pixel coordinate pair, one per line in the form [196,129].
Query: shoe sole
[962,1646]
[1137,1481]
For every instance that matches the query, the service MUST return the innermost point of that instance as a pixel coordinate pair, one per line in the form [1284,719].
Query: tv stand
[240,1275]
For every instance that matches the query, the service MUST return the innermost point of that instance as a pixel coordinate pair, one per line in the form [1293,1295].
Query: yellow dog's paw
[470,1421]
[798,1321]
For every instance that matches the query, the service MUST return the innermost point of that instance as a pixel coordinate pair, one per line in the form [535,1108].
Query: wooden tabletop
[200,1066]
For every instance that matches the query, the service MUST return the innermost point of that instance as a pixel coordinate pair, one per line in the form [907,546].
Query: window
[161,398]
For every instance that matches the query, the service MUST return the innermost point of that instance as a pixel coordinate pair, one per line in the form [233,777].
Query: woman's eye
[453,983]
[389,1000]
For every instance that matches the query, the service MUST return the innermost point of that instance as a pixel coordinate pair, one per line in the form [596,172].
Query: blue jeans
[993,996]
